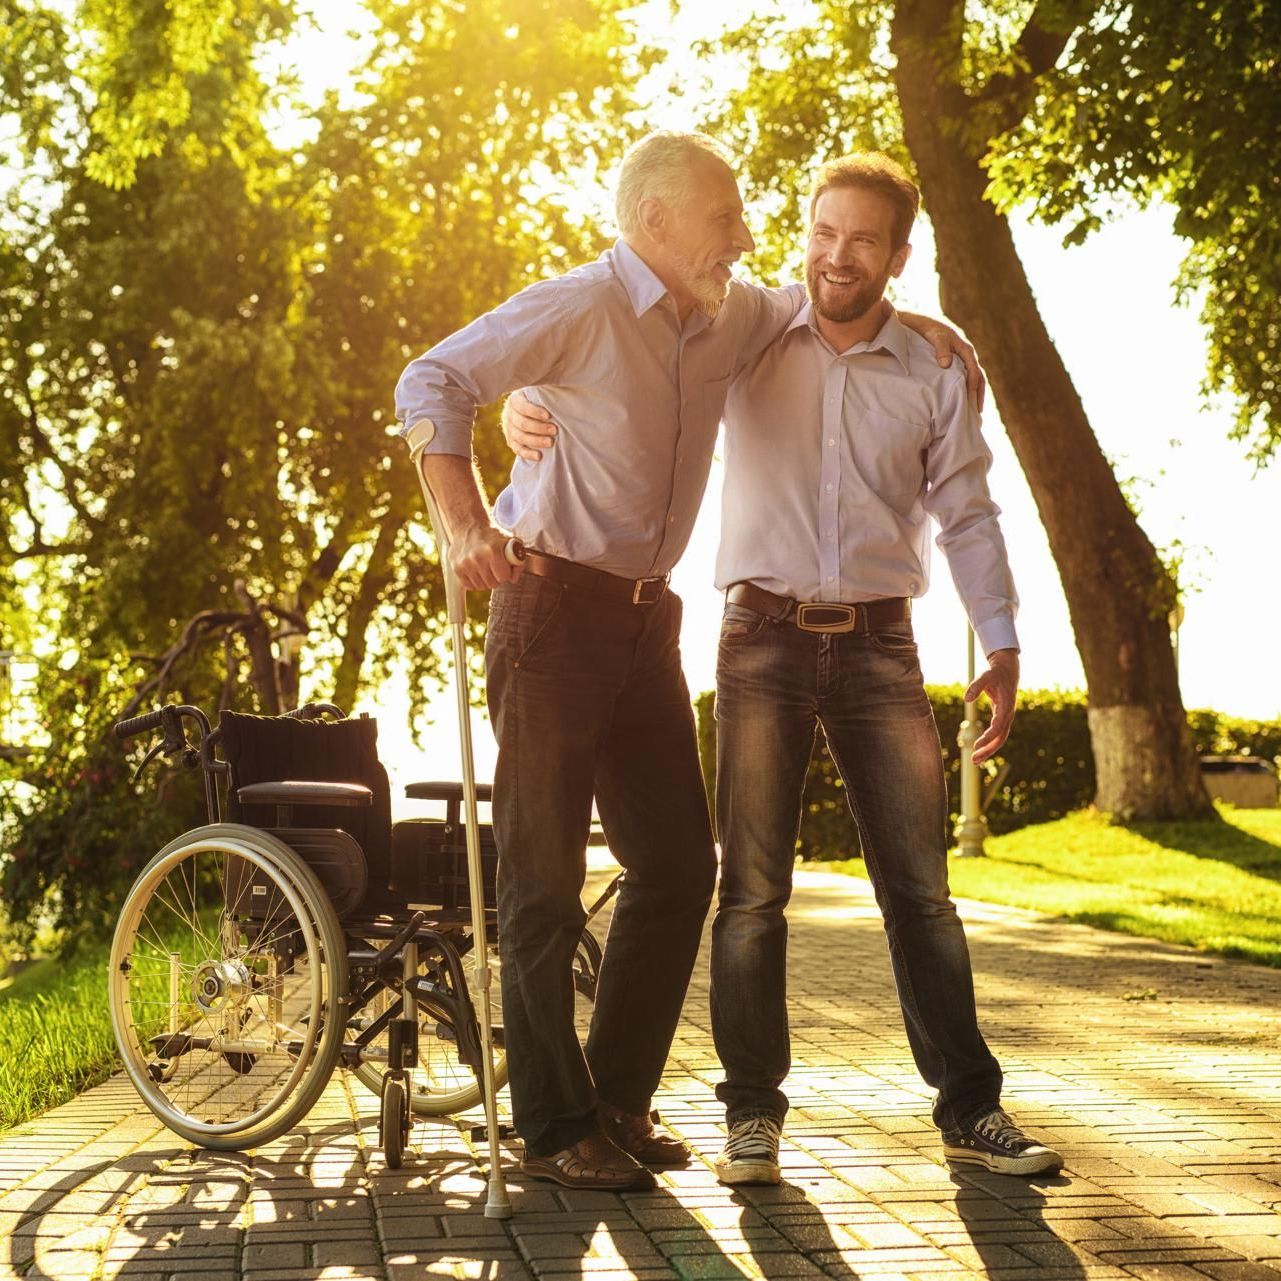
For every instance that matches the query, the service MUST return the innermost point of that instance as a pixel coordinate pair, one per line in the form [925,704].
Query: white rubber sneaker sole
[1046,1161]
[734,1173]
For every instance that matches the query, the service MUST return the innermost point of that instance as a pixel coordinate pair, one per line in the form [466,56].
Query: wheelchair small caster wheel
[393,1121]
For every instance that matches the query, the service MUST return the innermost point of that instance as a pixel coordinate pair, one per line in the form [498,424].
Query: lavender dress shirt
[638,397]
[834,463]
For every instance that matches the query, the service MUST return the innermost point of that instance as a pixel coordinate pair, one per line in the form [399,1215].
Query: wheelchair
[300,930]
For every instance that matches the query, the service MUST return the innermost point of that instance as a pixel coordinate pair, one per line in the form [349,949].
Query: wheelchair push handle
[136,725]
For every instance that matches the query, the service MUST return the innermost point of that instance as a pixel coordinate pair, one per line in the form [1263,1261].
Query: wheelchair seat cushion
[275,749]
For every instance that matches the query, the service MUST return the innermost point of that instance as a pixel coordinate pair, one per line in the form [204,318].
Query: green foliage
[201,328]
[1045,772]
[1216,735]
[76,831]
[1177,101]
[1208,884]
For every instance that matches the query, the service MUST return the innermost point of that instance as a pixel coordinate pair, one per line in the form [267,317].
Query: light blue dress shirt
[834,463]
[637,395]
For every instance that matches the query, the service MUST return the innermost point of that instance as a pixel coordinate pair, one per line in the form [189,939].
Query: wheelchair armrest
[305,793]
[438,791]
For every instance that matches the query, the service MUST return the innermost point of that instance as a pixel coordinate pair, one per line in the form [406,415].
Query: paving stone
[1169,1113]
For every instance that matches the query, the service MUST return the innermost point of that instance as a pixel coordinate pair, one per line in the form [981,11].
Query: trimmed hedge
[1051,764]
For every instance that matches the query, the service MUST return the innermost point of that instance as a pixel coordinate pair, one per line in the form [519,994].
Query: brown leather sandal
[638,1138]
[593,1162]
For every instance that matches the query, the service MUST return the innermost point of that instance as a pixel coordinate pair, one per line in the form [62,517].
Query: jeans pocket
[740,623]
[898,642]
[536,612]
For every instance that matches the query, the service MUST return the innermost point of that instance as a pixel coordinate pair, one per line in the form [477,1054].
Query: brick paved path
[1157,1072]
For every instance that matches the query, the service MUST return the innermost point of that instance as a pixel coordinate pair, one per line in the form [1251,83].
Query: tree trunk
[372,586]
[1119,594]
[262,662]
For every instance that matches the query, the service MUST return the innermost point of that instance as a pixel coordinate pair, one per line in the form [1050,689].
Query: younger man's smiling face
[851,255]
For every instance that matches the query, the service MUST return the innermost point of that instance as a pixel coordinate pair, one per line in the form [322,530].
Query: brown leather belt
[820,616]
[636,591]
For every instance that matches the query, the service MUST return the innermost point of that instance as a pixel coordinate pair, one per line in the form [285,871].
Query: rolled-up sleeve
[956,466]
[519,343]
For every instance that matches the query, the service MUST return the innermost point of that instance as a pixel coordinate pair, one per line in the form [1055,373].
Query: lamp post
[1176,621]
[971,830]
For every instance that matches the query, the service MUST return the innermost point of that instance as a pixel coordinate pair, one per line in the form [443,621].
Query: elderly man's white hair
[658,167]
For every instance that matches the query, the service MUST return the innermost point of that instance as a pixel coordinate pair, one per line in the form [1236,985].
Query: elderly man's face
[707,234]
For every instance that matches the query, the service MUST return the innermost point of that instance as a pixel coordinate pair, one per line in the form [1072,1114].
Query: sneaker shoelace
[755,1137]
[999,1127]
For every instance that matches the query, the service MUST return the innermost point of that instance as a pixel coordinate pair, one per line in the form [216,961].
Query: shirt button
[829,489]
[831,443]
[831,578]
[671,520]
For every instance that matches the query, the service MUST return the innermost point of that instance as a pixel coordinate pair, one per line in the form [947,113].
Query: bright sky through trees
[1137,361]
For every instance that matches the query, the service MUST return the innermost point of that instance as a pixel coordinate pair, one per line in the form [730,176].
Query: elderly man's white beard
[709,294]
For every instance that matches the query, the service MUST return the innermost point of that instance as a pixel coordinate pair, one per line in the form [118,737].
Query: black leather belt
[821,616]
[636,591]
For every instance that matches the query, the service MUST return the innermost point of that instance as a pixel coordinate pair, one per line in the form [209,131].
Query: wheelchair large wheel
[441,1084]
[227,971]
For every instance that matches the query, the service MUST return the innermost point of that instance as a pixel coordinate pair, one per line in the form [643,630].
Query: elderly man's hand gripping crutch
[484,562]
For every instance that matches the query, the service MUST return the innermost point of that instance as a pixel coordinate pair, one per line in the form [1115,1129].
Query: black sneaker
[996,1143]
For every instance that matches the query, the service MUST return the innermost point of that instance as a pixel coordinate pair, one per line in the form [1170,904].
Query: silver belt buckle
[826,619]
[640,595]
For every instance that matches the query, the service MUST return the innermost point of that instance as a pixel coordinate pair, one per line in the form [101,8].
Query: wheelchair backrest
[272,749]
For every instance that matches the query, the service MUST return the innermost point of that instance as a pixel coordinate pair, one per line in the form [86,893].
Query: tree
[1062,103]
[203,330]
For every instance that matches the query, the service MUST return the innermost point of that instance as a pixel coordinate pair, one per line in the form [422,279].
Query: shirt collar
[643,288]
[891,337]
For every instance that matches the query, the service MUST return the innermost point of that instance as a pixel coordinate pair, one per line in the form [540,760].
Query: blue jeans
[587,698]
[775,684]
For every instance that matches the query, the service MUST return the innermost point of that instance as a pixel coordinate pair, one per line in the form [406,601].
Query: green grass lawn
[1214,886]
[55,1033]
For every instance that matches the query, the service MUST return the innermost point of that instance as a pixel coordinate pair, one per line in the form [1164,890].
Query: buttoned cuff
[997,633]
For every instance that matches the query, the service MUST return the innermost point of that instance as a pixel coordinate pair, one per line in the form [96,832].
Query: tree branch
[1007,97]
[372,586]
[43,446]
[40,548]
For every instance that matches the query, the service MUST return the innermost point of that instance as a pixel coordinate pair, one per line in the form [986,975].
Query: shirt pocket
[889,454]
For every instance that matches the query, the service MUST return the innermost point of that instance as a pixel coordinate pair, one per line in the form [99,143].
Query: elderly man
[633,355]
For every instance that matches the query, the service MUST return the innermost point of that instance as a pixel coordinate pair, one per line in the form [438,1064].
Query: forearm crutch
[498,1204]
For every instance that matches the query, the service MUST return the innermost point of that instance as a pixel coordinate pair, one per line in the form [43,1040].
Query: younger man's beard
[865,297]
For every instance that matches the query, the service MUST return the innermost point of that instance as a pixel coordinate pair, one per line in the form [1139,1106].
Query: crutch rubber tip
[480,1133]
